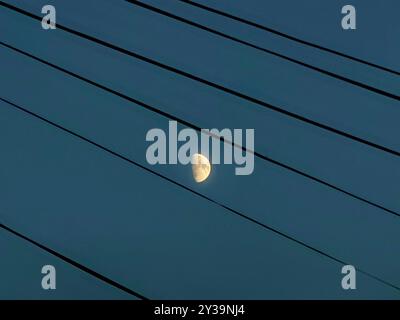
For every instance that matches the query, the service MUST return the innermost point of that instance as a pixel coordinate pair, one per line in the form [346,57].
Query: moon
[201,167]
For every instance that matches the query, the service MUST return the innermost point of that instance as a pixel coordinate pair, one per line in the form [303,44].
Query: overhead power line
[190,125]
[246,43]
[215,202]
[71,261]
[287,36]
[210,83]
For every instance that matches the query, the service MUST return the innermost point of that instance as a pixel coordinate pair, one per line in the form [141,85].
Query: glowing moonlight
[201,167]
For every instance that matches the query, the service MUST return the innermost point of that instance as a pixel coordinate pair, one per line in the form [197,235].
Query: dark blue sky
[157,238]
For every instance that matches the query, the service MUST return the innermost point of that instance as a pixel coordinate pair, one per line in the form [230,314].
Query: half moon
[201,167]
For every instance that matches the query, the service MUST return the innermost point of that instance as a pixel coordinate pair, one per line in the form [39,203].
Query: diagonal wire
[73,262]
[209,83]
[284,35]
[246,43]
[217,203]
[190,125]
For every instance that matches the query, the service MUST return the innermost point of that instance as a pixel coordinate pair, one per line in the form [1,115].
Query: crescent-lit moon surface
[201,167]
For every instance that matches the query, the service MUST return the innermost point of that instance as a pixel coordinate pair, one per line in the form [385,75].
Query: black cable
[284,35]
[190,125]
[73,262]
[208,83]
[231,210]
[309,66]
